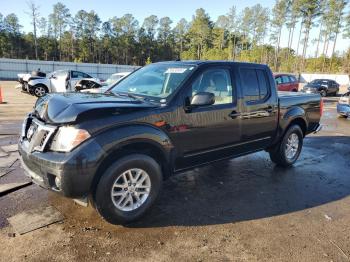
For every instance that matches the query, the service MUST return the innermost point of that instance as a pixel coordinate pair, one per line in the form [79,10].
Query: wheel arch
[124,142]
[43,85]
[300,121]
[294,116]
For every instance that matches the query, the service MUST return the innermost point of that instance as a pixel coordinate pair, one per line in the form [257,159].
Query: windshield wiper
[139,98]
[133,96]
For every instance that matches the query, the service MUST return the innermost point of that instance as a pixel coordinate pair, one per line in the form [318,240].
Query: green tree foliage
[59,19]
[200,33]
[279,12]
[252,34]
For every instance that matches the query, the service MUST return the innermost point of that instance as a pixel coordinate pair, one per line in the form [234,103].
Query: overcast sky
[176,10]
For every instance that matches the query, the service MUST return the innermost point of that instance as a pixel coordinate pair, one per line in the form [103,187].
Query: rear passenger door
[294,86]
[259,117]
[279,83]
[333,86]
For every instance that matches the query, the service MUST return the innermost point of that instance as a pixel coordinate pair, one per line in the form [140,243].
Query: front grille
[38,134]
[43,139]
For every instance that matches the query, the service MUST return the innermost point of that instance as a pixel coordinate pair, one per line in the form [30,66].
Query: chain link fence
[9,68]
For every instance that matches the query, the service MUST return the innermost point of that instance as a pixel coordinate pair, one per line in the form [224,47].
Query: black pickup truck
[117,148]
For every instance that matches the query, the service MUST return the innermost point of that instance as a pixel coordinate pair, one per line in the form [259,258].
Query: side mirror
[203,99]
[53,77]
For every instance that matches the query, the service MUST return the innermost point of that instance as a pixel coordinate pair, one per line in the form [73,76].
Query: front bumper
[30,88]
[75,169]
[343,109]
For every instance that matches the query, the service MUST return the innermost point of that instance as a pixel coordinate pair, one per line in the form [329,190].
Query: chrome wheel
[131,189]
[39,91]
[292,146]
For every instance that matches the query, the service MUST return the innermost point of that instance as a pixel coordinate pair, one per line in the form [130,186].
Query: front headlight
[67,138]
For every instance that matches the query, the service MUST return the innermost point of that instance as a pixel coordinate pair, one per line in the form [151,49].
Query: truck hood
[64,108]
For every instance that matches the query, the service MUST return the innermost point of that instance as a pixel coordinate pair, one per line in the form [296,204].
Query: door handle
[234,114]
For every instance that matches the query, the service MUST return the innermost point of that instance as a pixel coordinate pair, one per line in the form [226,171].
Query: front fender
[121,136]
[38,82]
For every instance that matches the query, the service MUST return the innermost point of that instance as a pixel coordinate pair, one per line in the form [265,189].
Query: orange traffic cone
[1,99]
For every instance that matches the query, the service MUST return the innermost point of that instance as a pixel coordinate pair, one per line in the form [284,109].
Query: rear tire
[120,188]
[287,151]
[323,93]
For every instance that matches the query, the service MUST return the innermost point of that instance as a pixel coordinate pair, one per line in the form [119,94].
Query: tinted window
[216,81]
[285,79]
[278,80]
[262,79]
[292,79]
[250,84]
[77,74]
[255,84]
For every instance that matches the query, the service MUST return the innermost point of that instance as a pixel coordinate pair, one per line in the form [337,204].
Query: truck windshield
[157,81]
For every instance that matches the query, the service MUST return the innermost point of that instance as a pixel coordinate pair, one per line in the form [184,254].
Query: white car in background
[113,79]
[57,81]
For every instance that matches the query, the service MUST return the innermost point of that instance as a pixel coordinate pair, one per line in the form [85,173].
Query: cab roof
[203,62]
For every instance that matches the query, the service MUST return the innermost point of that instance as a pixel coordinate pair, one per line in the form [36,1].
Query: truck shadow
[252,187]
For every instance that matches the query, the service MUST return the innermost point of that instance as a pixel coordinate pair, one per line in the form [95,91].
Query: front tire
[128,189]
[40,90]
[323,93]
[287,152]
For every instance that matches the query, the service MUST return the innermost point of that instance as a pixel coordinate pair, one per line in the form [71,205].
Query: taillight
[321,107]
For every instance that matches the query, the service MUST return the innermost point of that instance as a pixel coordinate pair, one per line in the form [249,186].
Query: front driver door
[211,132]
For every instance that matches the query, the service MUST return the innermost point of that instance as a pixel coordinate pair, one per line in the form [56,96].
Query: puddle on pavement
[33,219]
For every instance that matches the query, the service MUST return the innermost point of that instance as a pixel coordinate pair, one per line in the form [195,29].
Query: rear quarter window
[262,80]
[250,84]
[285,79]
[292,79]
[255,84]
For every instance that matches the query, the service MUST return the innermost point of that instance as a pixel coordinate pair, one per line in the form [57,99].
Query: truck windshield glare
[157,80]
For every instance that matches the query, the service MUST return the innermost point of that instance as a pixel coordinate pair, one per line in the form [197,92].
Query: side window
[278,80]
[255,84]
[292,79]
[285,79]
[86,75]
[77,74]
[263,84]
[74,74]
[250,84]
[216,81]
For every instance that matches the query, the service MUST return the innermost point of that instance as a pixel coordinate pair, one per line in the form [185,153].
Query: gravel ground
[244,209]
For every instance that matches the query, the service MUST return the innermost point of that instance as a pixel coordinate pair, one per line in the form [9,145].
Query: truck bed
[307,104]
